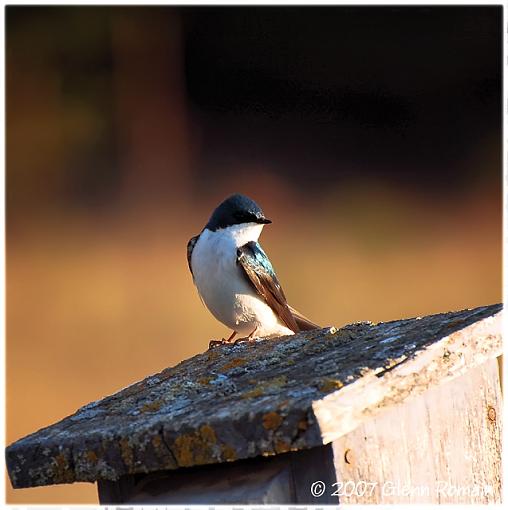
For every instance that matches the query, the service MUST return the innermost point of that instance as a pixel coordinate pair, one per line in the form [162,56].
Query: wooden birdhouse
[399,412]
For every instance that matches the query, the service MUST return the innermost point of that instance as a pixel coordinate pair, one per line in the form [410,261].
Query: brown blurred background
[371,136]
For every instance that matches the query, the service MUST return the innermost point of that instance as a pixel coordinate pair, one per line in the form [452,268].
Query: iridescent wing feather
[259,272]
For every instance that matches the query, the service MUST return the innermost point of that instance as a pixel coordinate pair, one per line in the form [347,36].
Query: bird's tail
[302,322]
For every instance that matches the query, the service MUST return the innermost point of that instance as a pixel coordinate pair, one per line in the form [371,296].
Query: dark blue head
[234,210]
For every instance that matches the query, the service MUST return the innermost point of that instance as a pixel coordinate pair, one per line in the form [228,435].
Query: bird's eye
[243,217]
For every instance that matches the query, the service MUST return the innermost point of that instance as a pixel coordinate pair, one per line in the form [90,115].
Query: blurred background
[371,136]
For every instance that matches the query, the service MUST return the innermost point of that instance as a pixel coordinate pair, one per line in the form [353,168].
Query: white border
[225,3]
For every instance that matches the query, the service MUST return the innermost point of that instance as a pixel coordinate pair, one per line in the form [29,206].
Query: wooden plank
[281,479]
[309,467]
[441,447]
[450,357]
[258,398]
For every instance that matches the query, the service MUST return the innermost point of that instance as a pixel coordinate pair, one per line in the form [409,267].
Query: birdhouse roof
[259,398]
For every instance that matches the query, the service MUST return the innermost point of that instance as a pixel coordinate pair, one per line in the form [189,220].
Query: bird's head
[236,210]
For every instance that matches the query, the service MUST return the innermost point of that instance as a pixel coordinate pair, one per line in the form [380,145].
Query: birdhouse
[407,411]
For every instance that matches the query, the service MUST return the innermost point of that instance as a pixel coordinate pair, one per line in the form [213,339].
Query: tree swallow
[235,278]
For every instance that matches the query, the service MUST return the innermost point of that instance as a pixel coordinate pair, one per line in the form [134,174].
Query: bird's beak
[264,221]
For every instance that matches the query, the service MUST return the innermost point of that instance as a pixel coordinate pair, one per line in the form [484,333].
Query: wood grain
[441,447]
[281,479]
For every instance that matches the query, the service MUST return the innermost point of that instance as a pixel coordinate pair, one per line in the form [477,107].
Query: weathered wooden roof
[260,398]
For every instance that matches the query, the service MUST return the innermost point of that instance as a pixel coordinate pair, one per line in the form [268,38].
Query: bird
[235,278]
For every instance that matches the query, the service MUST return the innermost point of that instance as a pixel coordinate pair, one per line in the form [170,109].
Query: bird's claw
[216,343]
[245,339]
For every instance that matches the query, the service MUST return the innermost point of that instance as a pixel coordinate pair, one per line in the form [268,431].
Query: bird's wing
[190,246]
[259,272]
[303,323]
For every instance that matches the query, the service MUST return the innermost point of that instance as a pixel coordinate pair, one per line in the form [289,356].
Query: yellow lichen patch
[126,452]
[91,456]
[276,382]
[205,380]
[256,392]
[236,362]
[271,421]
[282,446]
[208,434]
[330,385]
[156,442]
[152,406]
[195,448]
[391,362]
[183,450]
[228,452]
[303,425]
[264,386]
[62,473]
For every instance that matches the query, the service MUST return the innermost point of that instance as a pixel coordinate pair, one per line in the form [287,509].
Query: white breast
[223,286]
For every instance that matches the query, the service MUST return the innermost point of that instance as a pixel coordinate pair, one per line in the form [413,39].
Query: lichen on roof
[230,403]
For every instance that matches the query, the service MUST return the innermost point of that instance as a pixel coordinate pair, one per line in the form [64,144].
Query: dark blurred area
[143,103]
[406,94]
[370,135]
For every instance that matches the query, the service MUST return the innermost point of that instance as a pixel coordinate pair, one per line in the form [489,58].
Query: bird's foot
[242,339]
[230,341]
[251,338]
[216,343]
